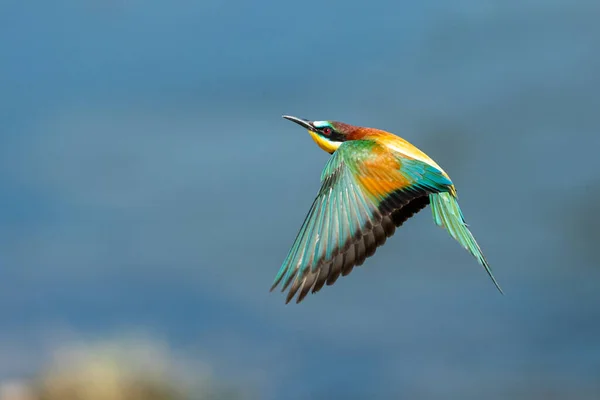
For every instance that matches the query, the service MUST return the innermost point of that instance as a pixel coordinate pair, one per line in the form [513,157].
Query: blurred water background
[150,191]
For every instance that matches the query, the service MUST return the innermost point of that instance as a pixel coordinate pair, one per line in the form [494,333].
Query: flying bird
[373,182]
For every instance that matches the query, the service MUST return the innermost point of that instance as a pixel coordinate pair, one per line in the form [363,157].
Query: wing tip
[276,283]
[495,282]
[483,261]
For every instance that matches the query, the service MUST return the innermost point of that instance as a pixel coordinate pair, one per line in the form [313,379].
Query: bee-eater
[373,182]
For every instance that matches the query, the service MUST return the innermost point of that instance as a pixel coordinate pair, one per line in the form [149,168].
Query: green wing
[447,214]
[366,192]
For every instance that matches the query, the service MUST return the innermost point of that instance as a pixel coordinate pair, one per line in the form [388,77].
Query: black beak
[300,121]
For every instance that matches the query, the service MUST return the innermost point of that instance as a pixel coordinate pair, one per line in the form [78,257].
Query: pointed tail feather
[447,214]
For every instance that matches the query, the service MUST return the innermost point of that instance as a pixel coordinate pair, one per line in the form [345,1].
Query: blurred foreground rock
[135,370]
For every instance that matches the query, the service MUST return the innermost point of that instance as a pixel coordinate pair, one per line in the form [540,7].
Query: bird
[373,182]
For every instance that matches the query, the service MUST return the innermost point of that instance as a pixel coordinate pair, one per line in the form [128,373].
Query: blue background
[149,185]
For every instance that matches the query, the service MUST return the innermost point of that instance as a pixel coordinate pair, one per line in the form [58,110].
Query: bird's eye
[327,131]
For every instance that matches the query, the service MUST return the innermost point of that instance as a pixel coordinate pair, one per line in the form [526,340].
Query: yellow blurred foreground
[131,370]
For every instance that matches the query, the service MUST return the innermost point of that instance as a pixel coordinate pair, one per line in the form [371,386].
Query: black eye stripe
[331,134]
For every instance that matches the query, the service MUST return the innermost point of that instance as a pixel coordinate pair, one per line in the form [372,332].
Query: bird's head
[329,135]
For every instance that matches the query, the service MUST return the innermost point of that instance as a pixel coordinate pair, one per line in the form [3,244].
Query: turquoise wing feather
[366,192]
[447,214]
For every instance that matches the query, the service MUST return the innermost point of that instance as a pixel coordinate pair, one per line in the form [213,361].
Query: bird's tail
[447,214]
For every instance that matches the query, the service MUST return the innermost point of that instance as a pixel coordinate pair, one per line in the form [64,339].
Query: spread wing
[367,191]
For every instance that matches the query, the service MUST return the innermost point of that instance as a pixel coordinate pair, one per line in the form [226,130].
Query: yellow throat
[324,144]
